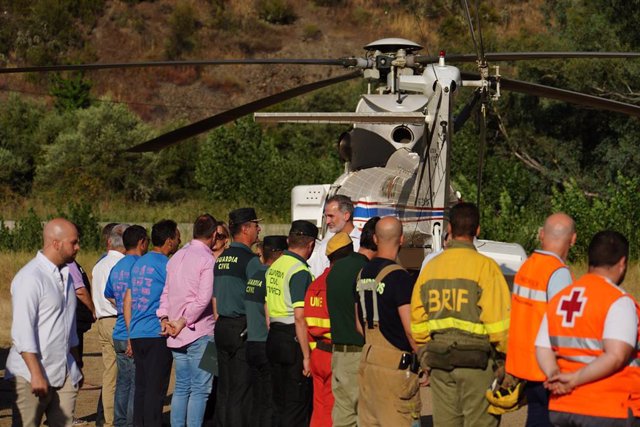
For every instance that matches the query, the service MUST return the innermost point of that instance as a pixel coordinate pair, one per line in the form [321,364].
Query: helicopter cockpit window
[402,135]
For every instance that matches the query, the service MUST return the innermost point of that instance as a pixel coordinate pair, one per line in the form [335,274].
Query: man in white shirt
[106,315]
[42,361]
[338,214]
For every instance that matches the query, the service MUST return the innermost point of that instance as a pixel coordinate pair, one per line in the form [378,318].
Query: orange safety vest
[576,318]
[634,371]
[316,311]
[528,305]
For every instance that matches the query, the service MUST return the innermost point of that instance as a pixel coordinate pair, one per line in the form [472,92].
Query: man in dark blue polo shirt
[233,269]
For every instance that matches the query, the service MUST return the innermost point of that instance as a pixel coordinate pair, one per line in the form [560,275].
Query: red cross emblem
[572,306]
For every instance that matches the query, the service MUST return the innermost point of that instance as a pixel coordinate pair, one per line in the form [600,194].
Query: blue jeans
[125,386]
[193,385]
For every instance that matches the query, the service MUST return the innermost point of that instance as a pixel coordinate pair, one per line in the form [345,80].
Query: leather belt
[347,348]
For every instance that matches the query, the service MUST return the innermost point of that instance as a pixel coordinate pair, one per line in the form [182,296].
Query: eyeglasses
[221,236]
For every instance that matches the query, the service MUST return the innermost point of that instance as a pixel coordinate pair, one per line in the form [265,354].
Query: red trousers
[322,395]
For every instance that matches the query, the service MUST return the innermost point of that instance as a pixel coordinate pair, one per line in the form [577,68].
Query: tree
[19,123]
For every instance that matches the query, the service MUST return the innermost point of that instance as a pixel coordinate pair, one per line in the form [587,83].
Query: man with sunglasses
[233,269]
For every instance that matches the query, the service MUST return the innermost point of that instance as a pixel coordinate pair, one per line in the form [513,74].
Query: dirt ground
[88,397]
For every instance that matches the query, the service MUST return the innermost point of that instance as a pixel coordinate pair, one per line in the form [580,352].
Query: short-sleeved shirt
[299,283]
[281,304]
[233,269]
[117,285]
[342,297]
[254,300]
[148,276]
[396,292]
[620,324]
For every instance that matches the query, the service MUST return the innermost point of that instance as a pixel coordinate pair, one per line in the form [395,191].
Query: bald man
[539,279]
[385,296]
[42,362]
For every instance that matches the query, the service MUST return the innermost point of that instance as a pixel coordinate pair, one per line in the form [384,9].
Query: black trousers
[537,404]
[292,391]
[261,386]
[233,399]
[153,370]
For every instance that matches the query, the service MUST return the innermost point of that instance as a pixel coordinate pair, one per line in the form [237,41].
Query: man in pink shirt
[186,314]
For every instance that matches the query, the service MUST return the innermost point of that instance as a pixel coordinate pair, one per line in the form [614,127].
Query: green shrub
[279,12]
[84,217]
[616,208]
[183,25]
[27,234]
[70,93]
[311,32]
[6,237]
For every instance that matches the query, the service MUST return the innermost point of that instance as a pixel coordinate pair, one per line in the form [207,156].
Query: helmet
[506,397]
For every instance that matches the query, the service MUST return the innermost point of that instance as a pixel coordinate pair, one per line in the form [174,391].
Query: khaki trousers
[110,368]
[388,396]
[58,405]
[459,397]
[344,385]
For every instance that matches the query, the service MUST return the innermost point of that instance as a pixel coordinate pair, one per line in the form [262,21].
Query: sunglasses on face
[221,236]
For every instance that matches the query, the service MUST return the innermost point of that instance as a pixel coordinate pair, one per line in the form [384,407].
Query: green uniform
[254,300]
[341,299]
[232,270]
[348,342]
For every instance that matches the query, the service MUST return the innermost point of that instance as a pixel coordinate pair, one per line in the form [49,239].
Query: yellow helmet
[503,400]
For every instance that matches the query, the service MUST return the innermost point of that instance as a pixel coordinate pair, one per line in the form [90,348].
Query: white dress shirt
[44,321]
[100,275]
[318,262]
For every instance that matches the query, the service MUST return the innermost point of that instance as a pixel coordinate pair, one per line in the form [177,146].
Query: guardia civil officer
[257,330]
[461,304]
[232,271]
[287,343]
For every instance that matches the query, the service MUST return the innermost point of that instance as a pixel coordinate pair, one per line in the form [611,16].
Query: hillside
[202,29]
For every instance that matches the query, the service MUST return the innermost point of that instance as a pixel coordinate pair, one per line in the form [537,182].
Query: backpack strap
[388,270]
[372,285]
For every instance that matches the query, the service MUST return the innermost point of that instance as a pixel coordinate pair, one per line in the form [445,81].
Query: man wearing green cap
[232,271]
[257,330]
[287,343]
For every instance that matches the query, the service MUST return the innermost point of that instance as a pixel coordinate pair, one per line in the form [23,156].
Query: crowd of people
[292,331]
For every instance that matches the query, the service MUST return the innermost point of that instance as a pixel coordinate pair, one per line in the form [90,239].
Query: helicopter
[397,152]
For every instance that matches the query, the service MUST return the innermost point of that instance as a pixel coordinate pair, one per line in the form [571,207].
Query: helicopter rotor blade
[209,123]
[345,62]
[562,95]
[520,56]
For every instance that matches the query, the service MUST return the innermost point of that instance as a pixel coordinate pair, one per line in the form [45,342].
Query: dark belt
[324,346]
[232,318]
[107,317]
[347,348]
